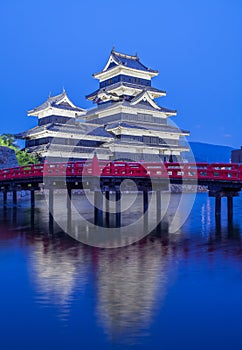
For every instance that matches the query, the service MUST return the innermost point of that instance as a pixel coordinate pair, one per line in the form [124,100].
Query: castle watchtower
[61,135]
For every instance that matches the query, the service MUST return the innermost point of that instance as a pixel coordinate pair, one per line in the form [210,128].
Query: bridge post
[51,200]
[145,201]
[51,210]
[98,205]
[32,198]
[158,207]
[230,207]
[218,205]
[107,208]
[5,199]
[68,199]
[15,198]
[68,206]
[229,192]
[118,208]
[145,207]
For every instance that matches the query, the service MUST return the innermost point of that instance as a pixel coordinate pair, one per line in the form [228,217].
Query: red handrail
[214,171]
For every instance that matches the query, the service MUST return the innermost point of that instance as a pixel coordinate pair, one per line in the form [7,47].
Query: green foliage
[9,140]
[23,157]
[3,142]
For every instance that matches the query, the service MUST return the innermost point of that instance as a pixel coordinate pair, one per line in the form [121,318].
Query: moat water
[168,291]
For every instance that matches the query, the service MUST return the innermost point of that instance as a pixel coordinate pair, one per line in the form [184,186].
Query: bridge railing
[205,171]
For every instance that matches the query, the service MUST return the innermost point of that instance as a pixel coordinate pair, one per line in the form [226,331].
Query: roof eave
[92,96]
[32,113]
[170,114]
[152,73]
[185,133]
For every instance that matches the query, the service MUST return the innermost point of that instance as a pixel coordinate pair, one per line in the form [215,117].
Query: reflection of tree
[131,281]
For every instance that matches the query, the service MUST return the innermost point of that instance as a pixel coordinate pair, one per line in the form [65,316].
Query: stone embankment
[187,188]
[7,158]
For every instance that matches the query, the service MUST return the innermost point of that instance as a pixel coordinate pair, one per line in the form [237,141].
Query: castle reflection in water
[129,285]
[129,281]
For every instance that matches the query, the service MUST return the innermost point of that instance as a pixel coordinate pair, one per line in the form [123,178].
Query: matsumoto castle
[125,124]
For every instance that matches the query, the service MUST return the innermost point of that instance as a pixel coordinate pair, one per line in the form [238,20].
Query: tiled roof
[165,128]
[137,143]
[66,106]
[128,85]
[54,101]
[67,148]
[147,105]
[32,131]
[127,103]
[79,130]
[130,61]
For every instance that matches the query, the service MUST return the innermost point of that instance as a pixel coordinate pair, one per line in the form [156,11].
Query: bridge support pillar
[98,208]
[118,208]
[229,192]
[68,199]
[145,201]
[107,208]
[15,198]
[158,207]
[68,206]
[32,199]
[218,206]
[51,201]
[230,208]
[5,199]
[145,208]
[51,210]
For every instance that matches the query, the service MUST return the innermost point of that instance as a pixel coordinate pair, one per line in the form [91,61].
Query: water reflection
[55,269]
[131,282]
[128,285]
[206,211]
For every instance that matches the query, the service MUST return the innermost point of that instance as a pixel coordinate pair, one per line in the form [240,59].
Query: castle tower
[126,106]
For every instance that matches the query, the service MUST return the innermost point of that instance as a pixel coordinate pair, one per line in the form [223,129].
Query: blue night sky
[195,45]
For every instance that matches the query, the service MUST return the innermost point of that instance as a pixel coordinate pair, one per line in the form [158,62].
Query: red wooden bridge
[201,171]
[221,179]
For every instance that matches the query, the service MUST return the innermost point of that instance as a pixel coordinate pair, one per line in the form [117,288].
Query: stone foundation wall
[7,158]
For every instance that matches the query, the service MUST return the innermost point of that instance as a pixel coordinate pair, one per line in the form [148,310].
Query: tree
[9,140]
[25,158]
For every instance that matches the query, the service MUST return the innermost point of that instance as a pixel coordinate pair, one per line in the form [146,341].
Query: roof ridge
[56,102]
[58,96]
[124,55]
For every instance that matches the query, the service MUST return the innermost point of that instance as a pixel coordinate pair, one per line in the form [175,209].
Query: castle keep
[126,124]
